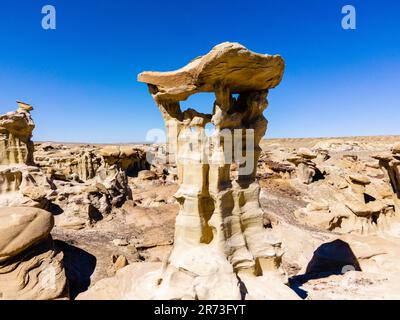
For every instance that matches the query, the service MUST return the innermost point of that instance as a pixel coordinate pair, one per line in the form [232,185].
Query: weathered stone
[306,153]
[30,266]
[230,63]
[306,169]
[396,148]
[219,232]
[119,262]
[21,228]
[131,160]
[390,165]
[360,179]
[147,175]
[16,146]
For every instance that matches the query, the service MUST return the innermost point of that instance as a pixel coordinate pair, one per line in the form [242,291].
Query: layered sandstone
[131,160]
[390,164]
[30,265]
[343,189]
[77,182]
[221,249]
[16,146]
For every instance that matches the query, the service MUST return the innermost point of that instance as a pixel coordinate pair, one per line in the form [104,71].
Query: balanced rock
[220,244]
[230,63]
[306,168]
[128,159]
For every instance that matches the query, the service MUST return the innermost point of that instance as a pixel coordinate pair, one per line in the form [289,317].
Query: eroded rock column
[390,164]
[16,146]
[220,242]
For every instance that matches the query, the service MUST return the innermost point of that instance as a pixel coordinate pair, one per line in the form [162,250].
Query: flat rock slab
[230,64]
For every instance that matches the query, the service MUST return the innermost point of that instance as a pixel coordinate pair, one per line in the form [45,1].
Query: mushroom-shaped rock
[24,106]
[16,146]
[219,231]
[383,156]
[306,153]
[306,169]
[126,158]
[358,183]
[296,160]
[110,151]
[238,68]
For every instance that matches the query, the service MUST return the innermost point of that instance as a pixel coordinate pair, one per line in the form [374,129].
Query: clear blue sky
[81,78]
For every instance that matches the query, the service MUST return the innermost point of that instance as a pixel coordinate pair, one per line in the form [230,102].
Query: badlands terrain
[313,219]
[329,201]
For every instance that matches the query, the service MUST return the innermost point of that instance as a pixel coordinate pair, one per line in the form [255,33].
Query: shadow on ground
[331,258]
[79,266]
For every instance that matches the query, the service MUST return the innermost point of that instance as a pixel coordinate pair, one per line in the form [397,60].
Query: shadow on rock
[79,266]
[331,258]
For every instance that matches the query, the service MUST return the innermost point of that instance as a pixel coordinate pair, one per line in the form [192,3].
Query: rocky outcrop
[16,146]
[306,168]
[85,203]
[78,163]
[22,185]
[74,183]
[355,197]
[390,164]
[131,160]
[221,249]
[30,265]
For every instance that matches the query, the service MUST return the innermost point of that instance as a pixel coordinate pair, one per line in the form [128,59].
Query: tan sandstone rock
[21,228]
[30,266]
[220,244]
[16,146]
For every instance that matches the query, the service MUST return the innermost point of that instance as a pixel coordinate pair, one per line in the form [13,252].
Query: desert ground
[319,236]
[143,228]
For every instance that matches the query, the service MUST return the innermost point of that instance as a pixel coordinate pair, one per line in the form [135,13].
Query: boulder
[30,265]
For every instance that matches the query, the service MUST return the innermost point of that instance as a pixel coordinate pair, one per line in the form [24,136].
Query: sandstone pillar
[219,239]
[16,146]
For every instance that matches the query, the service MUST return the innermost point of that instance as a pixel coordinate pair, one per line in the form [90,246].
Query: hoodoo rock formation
[19,178]
[350,196]
[16,146]
[306,168]
[80,182]
[220,214]
[221,248]
[127,159]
